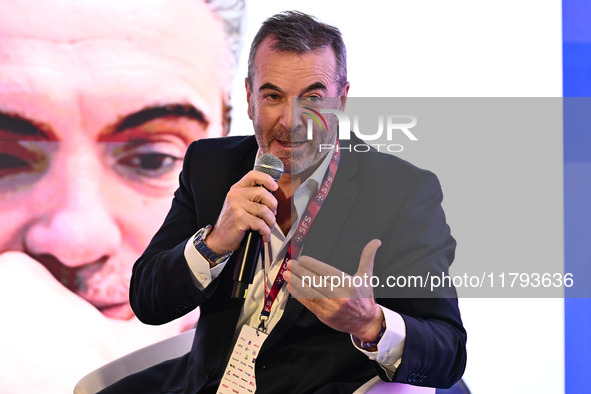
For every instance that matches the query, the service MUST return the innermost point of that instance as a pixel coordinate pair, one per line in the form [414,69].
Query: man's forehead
[92,36]
[74,21]
[270,47]
[272,66]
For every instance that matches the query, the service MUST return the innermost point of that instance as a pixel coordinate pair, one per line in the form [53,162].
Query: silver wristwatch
[202,247]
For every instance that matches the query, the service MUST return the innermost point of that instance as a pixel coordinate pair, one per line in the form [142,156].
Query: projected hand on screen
[58,334]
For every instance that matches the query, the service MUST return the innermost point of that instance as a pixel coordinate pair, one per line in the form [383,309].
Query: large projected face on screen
[98,103]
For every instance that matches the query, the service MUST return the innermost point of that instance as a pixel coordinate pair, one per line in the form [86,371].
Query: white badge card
[239,376]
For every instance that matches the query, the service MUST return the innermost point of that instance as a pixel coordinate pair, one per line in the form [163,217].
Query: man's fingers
[306,265]
[246,207]
[261,196]
[311,278]
[303,288]
[367,257]
[257,178]
[308,284]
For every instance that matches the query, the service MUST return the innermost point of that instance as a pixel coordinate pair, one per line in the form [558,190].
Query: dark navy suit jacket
[374,195]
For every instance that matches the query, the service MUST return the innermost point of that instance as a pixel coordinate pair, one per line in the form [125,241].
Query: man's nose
[76,227]
[292,117]
[285,119]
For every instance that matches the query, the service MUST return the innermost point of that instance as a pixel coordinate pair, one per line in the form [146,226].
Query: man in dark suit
[377,208]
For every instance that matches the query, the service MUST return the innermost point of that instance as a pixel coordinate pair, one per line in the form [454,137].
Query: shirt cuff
[201,274]
[391,345]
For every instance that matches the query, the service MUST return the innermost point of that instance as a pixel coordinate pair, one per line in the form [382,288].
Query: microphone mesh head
[270,165]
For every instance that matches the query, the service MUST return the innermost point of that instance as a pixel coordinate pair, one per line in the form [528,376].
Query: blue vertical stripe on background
[576,36]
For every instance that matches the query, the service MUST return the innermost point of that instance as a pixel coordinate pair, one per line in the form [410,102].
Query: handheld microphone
[250,248]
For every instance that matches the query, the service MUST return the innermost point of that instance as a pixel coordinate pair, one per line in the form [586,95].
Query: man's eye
[21,158]
[155,163]
[311,100]
[151,165]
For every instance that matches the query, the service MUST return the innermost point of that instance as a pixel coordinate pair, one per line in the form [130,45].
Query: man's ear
[248,93]
[344,93]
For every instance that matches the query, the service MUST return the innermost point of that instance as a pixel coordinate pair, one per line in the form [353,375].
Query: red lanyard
[295,245]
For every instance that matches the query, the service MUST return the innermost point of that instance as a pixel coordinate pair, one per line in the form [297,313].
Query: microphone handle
[250,249]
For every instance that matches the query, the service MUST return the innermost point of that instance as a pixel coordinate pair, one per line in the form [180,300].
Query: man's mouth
[291,144]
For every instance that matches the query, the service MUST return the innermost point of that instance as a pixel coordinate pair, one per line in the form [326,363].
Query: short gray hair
[294,31]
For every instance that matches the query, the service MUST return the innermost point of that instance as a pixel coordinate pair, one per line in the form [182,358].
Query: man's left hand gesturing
[336,302]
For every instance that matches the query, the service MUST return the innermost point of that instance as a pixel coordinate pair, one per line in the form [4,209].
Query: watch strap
[201,246]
